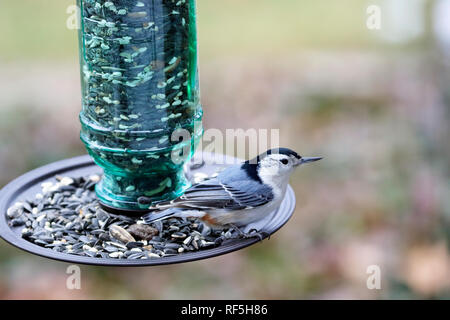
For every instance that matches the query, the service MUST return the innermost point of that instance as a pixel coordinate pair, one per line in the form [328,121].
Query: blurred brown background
[374,103]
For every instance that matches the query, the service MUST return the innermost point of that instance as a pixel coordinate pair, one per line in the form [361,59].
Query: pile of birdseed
[66,217]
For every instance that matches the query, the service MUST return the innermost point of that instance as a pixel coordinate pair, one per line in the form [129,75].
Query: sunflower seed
[120,234]
[178,235]
[115,254]
[131,245]
[15,210]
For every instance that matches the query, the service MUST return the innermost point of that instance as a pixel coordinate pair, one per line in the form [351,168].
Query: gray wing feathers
[233,191]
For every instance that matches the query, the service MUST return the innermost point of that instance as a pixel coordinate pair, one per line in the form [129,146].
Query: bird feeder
[140,123]
[141,113]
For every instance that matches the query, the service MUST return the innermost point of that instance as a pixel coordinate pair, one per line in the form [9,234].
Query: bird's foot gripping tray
[53,212]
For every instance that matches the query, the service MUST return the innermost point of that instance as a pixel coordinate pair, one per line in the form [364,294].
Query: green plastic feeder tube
[141,113]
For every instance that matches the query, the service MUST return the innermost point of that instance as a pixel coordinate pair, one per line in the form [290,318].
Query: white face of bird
[281,165]
[274,169]
[277,164]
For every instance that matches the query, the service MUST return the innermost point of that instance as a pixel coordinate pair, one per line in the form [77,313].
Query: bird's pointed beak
[303,160]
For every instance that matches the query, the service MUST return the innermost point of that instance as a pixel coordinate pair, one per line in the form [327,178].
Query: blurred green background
[374,103]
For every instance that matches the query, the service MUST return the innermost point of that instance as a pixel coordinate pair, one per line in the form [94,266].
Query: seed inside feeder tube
[136,62]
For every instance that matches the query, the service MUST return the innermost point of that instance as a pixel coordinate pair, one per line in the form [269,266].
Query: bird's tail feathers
[171,212]
[162,205]
[156,216]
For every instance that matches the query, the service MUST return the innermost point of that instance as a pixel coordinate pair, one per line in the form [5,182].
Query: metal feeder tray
[27,185]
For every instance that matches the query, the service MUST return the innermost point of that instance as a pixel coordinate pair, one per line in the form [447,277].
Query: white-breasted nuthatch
[239,195]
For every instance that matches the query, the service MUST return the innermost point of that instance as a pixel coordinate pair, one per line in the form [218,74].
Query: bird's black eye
[284,161]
